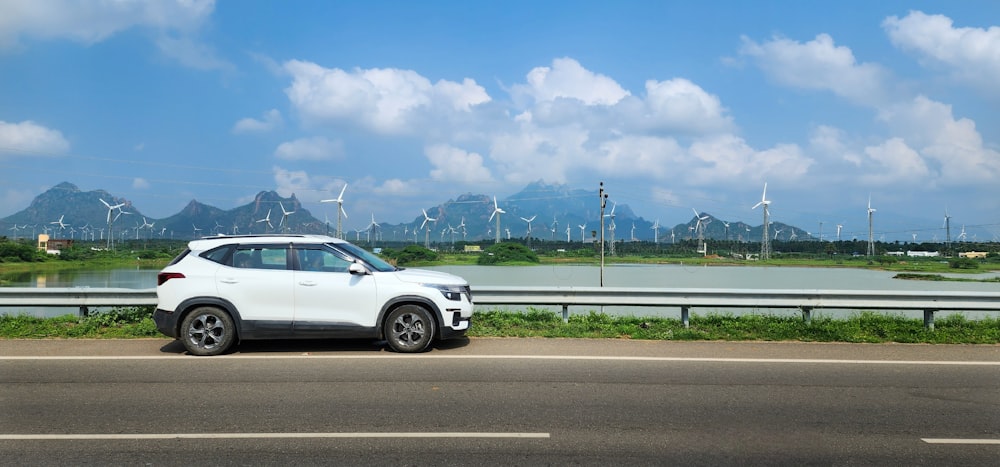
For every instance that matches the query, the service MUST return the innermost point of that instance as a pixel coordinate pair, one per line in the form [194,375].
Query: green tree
[507,252]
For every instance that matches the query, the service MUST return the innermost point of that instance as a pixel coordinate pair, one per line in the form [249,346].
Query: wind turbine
[196,230]
[427,230]
[765,242]
[373,228]
[266,219]
[699,228]
[611,228]
[568,231]
[461,225]
[340,209]
[871,238]
[582,227]
[839,228]
[496,212]
[632,235]
[528,233]
[656,231]
[60,222]
[284,217]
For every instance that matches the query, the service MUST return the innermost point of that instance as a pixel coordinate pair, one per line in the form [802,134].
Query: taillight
[166,276]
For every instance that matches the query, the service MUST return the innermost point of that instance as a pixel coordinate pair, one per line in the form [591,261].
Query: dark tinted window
[219,255]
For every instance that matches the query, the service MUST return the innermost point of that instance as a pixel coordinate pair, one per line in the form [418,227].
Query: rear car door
[258,282]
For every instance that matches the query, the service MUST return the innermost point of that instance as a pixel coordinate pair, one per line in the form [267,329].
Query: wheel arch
[410,300]
[188,305]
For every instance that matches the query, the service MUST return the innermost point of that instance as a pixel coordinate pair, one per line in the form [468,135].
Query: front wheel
[409,328]
[207,331]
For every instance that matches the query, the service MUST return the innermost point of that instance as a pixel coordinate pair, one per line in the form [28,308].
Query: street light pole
[604,202]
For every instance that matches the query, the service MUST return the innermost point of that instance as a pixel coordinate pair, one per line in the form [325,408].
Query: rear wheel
[409,328]
[207,331]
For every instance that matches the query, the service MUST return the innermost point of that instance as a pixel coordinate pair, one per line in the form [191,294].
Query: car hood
[424,276]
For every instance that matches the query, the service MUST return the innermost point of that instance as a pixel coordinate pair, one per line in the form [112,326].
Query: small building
[473,249]
[973,254]
[53,246]
[922,254]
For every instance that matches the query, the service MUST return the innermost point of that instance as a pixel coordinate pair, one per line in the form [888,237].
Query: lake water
[663,276]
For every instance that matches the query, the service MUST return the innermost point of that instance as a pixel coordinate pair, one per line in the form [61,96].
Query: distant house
[918,254]
[53,246]
[973,254]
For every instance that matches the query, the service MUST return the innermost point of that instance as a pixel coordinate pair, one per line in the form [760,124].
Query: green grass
[136,322]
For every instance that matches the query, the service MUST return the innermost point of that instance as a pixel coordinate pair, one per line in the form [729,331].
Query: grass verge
[136,322]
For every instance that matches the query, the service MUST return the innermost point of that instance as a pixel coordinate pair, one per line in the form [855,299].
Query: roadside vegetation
[864,327]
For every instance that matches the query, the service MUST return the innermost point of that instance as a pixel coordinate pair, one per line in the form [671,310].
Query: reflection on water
[660,276]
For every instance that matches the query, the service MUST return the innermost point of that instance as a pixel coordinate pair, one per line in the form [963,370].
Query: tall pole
[604,202]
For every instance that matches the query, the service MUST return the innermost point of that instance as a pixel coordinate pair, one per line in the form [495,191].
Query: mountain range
[65,211]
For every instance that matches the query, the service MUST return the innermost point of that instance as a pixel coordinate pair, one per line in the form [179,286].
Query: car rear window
[219,254]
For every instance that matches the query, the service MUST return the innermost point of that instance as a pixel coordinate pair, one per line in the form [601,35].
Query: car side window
[322,261]
[219,255]
[260,258]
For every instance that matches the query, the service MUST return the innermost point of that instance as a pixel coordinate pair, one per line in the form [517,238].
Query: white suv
[221,290]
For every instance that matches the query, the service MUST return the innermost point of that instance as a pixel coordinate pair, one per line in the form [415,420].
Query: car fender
[187,305]
[415,299]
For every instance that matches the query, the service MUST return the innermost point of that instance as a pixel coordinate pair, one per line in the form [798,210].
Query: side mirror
[357,269]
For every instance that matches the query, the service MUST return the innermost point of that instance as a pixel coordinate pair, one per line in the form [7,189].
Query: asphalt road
[499,401]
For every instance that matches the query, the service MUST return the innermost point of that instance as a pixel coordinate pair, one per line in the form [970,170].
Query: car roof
[206,243]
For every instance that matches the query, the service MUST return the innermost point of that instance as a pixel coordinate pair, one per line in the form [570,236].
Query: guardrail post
[565,313]
[84,311]
[685,316]
[929,319]
[807,314]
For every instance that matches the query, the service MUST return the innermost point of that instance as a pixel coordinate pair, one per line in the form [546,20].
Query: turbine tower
[284,218]
[765,241]
[340,210]
[871,237]
[496,213]
[427,231]
[947,230]
[582,227]
[656,231]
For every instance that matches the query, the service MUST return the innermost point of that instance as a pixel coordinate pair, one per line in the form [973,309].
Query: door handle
[229,280]
[308,283]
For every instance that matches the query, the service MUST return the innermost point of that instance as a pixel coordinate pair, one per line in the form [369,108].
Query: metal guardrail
[685,299]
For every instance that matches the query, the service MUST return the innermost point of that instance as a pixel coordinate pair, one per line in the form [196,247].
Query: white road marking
[334,356]
[959,441]
[134,436]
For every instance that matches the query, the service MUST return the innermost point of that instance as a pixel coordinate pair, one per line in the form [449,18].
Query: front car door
[329,300]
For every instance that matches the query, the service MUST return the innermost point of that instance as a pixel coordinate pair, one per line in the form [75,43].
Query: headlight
[451,292]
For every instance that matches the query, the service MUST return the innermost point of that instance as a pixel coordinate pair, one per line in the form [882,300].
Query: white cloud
[639,156]
[972,54]
[452,164]
[818,64]
[895,162]
[729,158]
[191,53]
[316,148]
[173,24]
[30,139]
[140,183]
[288,182]
[680,105]
[385,100]
[269,121]
[953,144]
[568,79]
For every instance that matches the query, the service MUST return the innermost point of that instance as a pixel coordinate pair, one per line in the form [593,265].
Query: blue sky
[674,105]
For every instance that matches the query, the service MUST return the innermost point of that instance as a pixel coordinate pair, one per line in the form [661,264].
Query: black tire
[408,329]
[207,331]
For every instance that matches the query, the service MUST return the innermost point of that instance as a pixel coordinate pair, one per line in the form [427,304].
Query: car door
[329,300]
[258,282]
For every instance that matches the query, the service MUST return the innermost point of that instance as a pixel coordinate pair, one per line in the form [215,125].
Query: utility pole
[604,202]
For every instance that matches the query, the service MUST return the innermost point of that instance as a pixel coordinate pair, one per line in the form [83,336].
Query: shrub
[507,253]
[410,254]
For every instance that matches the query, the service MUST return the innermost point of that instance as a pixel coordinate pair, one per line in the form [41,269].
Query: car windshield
[366,256]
